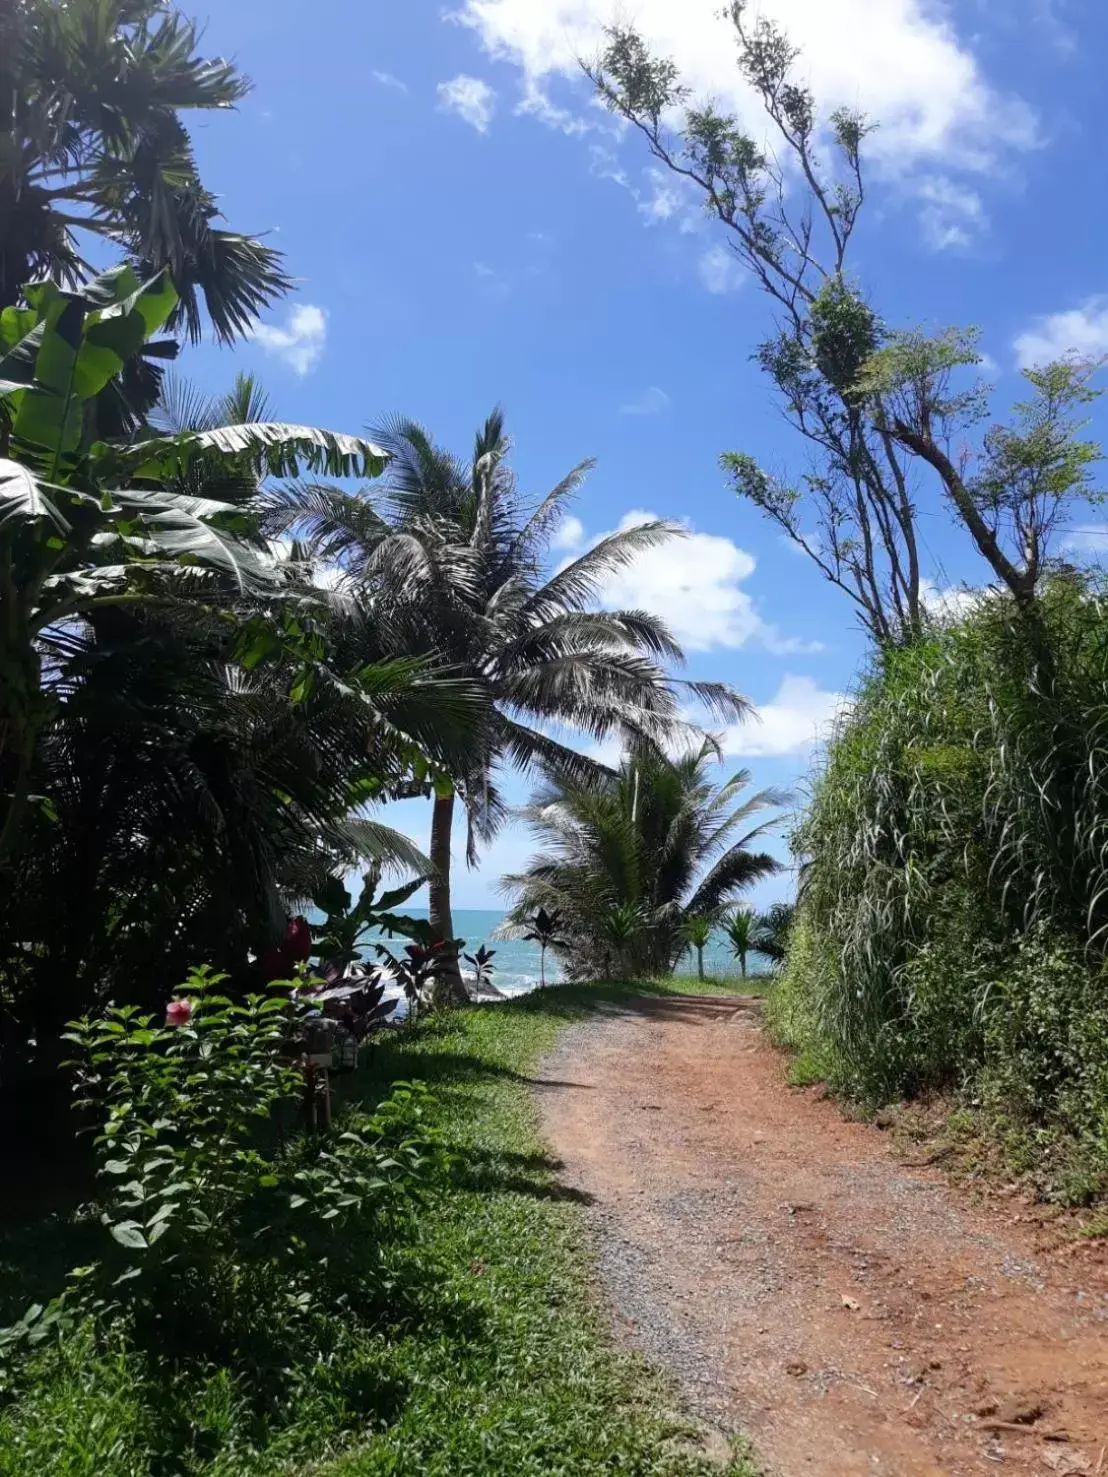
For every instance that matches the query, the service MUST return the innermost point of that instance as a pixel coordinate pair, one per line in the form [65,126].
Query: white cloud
[386,79]
[651,402]
[949,602]
[950,214]
[300,343]
[695,584]
[469,97]
[899,60]
[570,534]
[720,271]
[1082,330]
[799,715]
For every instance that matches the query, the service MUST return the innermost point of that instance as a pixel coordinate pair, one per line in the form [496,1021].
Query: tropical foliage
[457,555]
[740,930]
[190,726]
[629,863]
[953,920]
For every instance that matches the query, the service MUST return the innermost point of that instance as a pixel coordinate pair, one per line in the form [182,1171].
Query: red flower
[298,940]
[178,1013]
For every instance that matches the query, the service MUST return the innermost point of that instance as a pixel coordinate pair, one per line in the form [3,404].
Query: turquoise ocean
[516,962]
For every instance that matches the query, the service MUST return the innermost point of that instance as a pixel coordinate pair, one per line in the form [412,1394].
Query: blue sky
[467,228]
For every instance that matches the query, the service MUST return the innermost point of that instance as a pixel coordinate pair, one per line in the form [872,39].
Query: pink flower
[178,1013]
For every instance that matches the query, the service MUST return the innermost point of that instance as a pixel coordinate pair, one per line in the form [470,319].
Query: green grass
[488,1355]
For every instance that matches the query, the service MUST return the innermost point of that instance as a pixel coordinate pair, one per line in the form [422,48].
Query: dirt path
[850,1314]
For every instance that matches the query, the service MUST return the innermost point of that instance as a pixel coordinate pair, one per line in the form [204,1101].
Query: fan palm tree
[91,98]
[659,838]
[453,550]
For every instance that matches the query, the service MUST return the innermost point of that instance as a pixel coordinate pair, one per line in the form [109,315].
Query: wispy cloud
[387,79]
[948,602]
[902,61]
[651,402]
[720,271]
[1086,538]
[1082,331]
[301,341]
[474,101]
[952,215]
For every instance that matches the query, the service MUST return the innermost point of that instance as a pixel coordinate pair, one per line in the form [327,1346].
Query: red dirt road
[850,1314]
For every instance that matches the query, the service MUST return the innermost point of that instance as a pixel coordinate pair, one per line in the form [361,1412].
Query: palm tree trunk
[699,962]
[742,963]
[542,967]
[439,914]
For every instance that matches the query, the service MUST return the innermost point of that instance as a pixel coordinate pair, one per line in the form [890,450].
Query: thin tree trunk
[699,962]
[441,919]
[742,963]
[542,966]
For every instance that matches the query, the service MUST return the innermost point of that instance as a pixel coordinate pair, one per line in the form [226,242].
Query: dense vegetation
[954,924]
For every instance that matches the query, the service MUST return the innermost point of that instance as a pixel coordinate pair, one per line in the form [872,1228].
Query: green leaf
[271,448]
[23,497]
[130,1234]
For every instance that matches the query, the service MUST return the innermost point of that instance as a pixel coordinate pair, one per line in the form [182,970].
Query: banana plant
[338,940]
[86,523]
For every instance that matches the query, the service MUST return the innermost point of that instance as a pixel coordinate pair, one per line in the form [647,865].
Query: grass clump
[954,928]
[465,1339]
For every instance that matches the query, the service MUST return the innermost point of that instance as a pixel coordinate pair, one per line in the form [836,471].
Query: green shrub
[233,1240]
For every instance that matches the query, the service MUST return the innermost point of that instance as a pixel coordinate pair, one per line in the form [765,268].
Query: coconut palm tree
[698,931]
[659,841]
[452,548]
[92,94]
[742,935]
[773,931]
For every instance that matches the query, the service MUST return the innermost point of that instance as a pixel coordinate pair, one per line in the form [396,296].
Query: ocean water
[516,965]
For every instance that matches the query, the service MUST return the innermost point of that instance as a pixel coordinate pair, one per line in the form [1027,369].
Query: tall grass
[955,911]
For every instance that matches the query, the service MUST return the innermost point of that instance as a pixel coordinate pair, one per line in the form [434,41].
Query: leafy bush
[222,1216]
[954,925]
